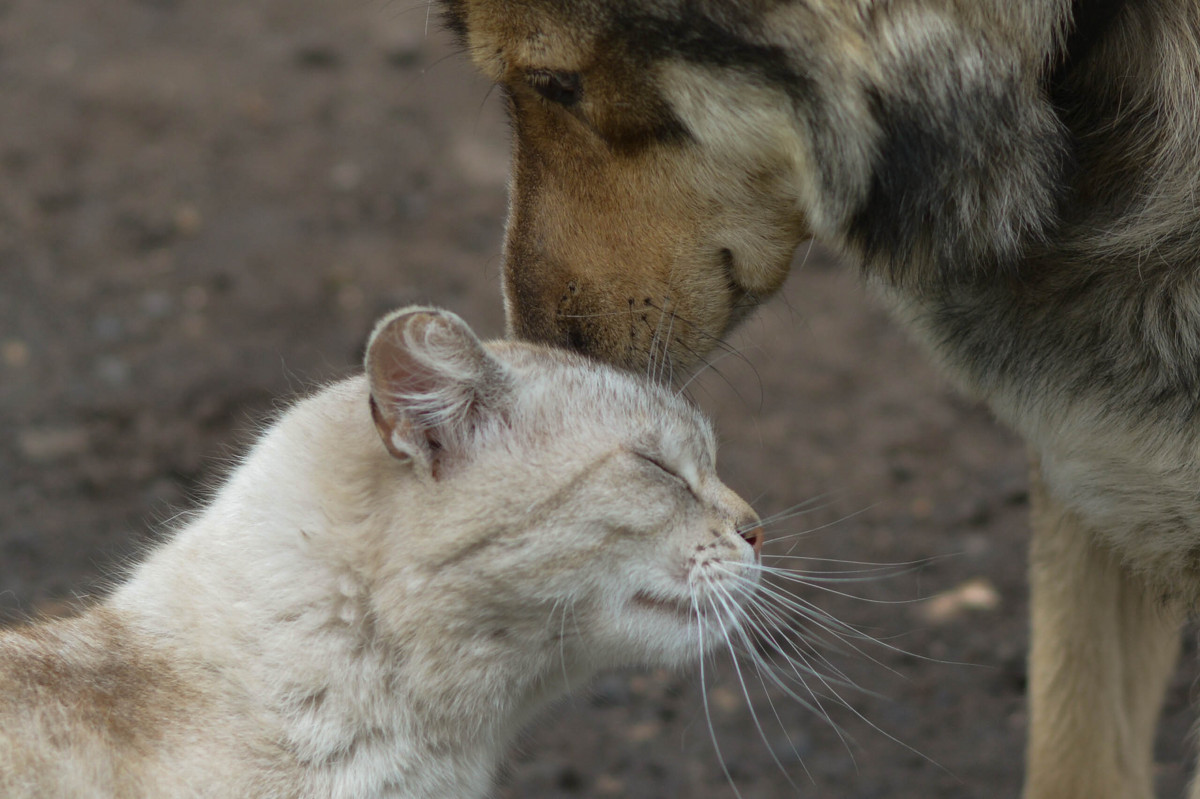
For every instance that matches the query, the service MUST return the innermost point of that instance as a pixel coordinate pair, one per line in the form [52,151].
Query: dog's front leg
[1102,650]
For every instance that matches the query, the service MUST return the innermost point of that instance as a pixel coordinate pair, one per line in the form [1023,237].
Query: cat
[404,569]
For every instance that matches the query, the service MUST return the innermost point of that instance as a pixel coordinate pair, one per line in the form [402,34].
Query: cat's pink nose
[753,537]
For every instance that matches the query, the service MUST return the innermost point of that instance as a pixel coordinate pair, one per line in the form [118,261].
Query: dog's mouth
[667,323]
[741,300]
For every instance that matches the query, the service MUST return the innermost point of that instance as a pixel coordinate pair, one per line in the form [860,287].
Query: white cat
[405,568]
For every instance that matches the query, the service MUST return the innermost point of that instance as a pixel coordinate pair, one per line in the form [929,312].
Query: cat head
[563,505]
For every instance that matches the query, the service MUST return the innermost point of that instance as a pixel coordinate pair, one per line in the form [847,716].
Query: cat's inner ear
[432,385]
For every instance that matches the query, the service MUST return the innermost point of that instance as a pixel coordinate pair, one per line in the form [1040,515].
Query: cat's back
[89,708]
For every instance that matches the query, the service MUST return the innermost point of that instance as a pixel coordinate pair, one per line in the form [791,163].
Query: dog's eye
[558,87]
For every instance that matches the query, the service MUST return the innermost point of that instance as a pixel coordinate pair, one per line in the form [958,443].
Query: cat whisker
[832,690]
[799,509]
[562,639]
[798,665]
[761,668]
[815,705]
[765,624]
[847,562]
[816,702]
[769,591]
[863,575]
[811,530]
[732,608]
[823,579]
[712,731]
[842,632]
[823,584]
[771,619]
[809,637]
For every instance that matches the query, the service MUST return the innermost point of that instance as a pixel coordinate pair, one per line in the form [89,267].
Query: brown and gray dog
[1019,177]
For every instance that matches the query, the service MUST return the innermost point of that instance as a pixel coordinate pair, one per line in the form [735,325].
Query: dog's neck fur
[1091,20]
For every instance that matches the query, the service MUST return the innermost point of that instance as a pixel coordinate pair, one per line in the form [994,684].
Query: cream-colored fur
[405,568]
[1103,648]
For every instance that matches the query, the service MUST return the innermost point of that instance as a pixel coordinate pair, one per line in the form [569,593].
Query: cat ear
[432,384]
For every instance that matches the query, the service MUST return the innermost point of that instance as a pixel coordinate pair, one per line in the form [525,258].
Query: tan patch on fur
[84,685]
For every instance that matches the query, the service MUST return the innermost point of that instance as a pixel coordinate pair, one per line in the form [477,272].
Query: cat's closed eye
[662,466]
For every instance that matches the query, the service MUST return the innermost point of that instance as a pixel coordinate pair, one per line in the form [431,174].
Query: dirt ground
[204,206]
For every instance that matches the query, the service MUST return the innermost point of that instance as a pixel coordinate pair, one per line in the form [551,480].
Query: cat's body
[373,609]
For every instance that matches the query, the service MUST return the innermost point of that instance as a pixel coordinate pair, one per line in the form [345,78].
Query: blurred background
[203,208]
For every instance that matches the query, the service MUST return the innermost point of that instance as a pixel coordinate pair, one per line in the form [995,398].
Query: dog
[1019,178]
